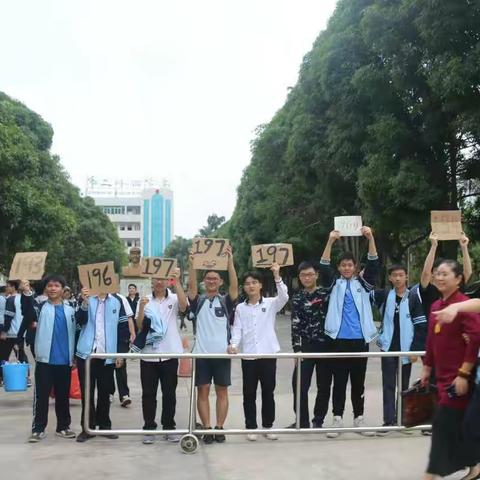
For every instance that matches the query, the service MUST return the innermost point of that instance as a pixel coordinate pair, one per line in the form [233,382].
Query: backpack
[192,315]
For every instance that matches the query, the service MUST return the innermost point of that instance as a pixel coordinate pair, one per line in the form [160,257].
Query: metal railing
[189,442]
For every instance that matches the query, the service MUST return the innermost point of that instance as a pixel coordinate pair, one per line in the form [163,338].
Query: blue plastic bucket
[15,377]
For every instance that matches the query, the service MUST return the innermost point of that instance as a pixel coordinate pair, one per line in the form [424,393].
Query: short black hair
[395,267]
[13,283]
[206,272]
[132,285]
[306,264]
[255,275]
[346,256]
[55,278]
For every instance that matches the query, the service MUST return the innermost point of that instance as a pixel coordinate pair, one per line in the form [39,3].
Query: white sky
[158,88]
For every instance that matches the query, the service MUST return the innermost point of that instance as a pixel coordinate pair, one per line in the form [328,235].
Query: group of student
[333,311]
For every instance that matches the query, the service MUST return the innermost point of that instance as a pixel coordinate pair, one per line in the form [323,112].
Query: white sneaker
[360,422]
[148,439]
[337,423]
[173,437]
[271,436]
[252,437]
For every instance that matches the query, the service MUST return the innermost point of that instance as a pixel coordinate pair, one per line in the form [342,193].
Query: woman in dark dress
[452,350]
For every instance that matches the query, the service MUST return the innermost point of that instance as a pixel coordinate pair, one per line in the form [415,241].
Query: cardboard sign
[157,267]
[210,253]
[99,278]
[28,266]
[263,256]
[447,224]
[349,226]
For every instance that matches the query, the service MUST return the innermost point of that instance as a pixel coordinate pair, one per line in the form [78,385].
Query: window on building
[129,227]
[129,243]
[114,210]
[136,226]
[122,227]
[133,210]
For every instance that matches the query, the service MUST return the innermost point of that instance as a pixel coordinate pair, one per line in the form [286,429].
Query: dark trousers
[46,377]
[6,347]
[101,376]
[264,371]
[324,375]
[345,368]
[150,374]
[389,382]
[121,373]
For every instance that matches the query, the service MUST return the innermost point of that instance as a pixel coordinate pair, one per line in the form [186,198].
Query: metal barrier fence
[189,441]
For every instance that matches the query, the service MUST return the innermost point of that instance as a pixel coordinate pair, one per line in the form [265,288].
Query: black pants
[324,375]
[46,377]
[264,371]
[345,368]
[150,374]
[389,383]
[101,376]
[121,374]
[30,339]
[6,347]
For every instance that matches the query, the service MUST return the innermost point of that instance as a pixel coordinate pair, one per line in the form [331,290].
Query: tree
[384,121]
[178,248]
[40,210]
[213,223]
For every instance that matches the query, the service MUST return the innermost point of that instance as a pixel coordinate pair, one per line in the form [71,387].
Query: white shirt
[254,326]
[167,310]
[99,341]
[126,305]
[3,301]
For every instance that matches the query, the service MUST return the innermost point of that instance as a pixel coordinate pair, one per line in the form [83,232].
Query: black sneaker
[384,433]
[317,424]
[219,438]
[294,425]
[35,437]
[208,438]
[84,436]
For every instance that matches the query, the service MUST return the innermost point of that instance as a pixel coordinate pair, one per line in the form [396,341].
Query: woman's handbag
[418,404]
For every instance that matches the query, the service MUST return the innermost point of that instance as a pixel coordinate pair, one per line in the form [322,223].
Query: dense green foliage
[40,210]
[384,121]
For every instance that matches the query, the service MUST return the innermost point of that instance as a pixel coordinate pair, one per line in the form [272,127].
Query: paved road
[292,456]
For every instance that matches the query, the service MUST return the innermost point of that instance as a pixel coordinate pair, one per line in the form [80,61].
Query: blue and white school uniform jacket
[114,315]
[360,288]
[410,318]
[44,314]
[13,315]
